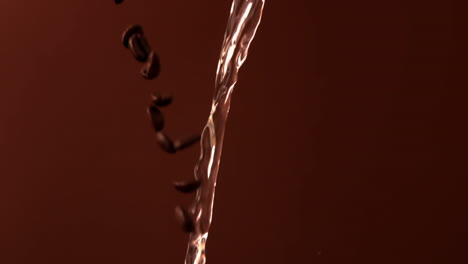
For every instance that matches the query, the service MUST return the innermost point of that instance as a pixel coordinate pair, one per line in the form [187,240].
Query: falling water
[243,22]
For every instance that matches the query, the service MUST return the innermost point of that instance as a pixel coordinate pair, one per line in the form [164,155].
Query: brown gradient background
[346,141]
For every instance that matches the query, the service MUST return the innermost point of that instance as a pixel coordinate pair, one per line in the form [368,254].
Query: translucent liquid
[243,22]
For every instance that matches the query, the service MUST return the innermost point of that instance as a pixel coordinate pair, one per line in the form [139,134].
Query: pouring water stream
[244,19]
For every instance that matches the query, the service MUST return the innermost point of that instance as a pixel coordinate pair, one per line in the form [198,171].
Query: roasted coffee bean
[187,187]
[129,32]
[161,100]
[182,144]
[165,142]
[157,119]
[152,68]
[139,47]
[185,219]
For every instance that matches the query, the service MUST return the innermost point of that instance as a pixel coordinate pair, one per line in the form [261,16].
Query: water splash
[242,25]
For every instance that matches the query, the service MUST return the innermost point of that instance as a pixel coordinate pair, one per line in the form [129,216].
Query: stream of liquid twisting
[242,25]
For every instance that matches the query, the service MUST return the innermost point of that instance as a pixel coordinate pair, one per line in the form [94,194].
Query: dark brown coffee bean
[183,144]
[157,119]
[129,32]
[139,47]
[165,142]
[161,100]
[185,219]
[187,187]
[152,68]
[143,42]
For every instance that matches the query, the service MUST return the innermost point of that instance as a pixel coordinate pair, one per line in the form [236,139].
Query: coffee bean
[152,68]
[157,119]
[187,187]
[182,144]
[185,219]
[139,47]
[161,100]
[165,142]
[129,32]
